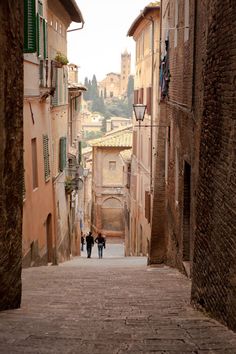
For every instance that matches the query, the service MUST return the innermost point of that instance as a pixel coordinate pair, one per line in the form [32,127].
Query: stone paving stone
[114,305]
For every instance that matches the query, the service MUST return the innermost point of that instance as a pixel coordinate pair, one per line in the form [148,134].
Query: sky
[98,46]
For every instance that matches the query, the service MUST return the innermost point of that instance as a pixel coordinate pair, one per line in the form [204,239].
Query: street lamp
[139,111]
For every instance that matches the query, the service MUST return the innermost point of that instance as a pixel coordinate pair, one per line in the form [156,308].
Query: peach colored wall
[38,203]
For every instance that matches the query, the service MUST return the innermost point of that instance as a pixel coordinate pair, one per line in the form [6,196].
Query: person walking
[100,240]
[82,242]
[89,244]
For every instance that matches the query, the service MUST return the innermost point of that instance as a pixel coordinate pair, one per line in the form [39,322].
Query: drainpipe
[152,105]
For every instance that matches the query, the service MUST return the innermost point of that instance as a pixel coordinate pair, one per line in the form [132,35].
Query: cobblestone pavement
[110,305]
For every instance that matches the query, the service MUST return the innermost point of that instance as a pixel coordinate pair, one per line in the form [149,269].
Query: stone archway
[112,215]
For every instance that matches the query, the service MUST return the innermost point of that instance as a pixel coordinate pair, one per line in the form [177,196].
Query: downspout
[194,55]
[152,105]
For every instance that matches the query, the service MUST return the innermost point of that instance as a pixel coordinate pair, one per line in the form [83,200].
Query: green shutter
[62,156]
[80,152]
[40,8]
[55,84]
[76,104]
[46,157]
[29,26]
[45,39]
[38,34]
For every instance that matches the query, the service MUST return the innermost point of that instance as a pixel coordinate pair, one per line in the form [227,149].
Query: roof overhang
[73,10]
[140,18]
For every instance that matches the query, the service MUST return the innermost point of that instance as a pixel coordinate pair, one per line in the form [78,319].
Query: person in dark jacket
[89,244]
[82,242]
[100,240]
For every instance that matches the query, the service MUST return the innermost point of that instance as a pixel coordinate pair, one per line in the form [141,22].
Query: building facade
[47,238]
[145,32]
[115,84]
[108,183]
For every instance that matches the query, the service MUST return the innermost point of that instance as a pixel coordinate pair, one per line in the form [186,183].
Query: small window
[56,25]
[112,165]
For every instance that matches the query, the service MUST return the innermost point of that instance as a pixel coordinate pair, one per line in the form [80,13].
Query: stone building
[45,217]
[115,84]
[145,32]
[108,182]
[110,86]
[11,152]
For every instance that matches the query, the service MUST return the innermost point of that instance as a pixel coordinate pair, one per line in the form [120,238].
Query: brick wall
[214,263]
[11,152]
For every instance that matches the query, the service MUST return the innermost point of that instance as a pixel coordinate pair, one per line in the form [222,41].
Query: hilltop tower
[125,72]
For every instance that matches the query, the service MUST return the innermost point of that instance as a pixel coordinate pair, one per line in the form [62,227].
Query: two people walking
[101,242]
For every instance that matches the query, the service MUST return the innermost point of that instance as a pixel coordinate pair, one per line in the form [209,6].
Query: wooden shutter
[135,96]
[80,152]
[40,8]
[38,34]
[54,81]
[62,154]
[29,26]
[45,39]
[46,157]
[135,143]
[140,96]
[149,100]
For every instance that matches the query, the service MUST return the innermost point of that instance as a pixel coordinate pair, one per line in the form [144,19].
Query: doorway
[186,212]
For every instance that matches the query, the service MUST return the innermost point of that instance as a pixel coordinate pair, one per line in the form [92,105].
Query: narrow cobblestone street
[109,305]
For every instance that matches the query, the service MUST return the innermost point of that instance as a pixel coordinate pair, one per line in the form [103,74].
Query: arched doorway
[112,215]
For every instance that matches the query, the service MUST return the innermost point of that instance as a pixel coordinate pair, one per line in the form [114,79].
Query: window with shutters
[35,29]
[41,37]
[62,153]
[59,82]
[46,158]
[29,26]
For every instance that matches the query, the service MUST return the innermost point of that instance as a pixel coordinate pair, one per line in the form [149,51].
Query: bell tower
[125,72]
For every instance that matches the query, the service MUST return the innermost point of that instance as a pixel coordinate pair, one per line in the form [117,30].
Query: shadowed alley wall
[11,151]
[214,263]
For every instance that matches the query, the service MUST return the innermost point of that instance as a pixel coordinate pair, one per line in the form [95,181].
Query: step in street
[110,305]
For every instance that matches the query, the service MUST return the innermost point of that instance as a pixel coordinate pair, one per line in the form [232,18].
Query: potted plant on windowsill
[61,59]
[69,187]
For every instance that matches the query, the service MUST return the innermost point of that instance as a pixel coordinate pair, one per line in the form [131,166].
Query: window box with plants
[61,59]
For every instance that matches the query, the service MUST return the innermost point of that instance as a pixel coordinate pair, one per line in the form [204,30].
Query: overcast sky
[98,46]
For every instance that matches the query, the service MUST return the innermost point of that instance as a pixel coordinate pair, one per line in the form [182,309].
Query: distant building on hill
[115,84]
